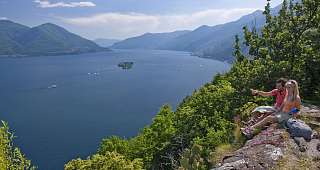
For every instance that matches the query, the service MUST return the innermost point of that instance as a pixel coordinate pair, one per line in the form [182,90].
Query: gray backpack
[297,128]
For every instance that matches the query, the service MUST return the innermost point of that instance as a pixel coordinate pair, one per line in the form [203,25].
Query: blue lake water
[60,107]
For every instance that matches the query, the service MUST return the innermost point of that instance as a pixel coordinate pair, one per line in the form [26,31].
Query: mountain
[206,41]
[216,41]
[148,40]
[8,31]
[103,42]
[45,39]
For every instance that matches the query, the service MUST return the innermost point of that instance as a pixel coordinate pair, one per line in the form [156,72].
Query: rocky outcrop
[273,148]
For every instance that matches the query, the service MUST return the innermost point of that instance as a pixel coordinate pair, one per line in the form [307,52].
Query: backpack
[298,128]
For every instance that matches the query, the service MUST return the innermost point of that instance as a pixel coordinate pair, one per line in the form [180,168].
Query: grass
[220,152]
[305,163]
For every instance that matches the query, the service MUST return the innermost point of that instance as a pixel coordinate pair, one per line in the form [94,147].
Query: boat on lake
[52,86]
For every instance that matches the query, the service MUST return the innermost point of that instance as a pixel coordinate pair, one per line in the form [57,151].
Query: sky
[120,19]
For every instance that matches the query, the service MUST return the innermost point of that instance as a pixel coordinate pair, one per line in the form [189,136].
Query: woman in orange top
[291,101]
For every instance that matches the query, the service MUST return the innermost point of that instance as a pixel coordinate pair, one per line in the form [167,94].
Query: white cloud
[3,18]
[48,4]
[123,25]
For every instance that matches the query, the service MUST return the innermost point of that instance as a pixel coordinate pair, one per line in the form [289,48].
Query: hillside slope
[217,41]
[8,31]
[148,40]
[105,42]
[46,39]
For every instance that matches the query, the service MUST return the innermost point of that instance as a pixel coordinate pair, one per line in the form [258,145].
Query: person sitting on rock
[263,111]
[291,102]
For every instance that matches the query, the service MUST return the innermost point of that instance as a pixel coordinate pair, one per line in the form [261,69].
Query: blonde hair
[295,94]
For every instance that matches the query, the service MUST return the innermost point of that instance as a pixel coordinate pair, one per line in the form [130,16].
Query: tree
[237,50]
[11,158]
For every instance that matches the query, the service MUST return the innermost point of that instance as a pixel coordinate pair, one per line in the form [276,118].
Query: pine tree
[237,50]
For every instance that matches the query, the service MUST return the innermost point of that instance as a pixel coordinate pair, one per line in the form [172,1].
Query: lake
[61,107]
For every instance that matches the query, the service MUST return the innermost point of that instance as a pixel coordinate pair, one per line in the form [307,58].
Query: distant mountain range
[206,41]
[45,39]
[104,42]
[149,40]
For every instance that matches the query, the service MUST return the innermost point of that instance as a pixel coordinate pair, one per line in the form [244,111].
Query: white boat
[52,86]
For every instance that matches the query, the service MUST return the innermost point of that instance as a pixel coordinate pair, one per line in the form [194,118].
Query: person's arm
[298,106]
[298,103]
[265,94]
[262,93]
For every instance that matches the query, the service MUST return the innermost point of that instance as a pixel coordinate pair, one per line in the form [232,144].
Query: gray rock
[302,144]
[239,164]
[312,150]
[261,152]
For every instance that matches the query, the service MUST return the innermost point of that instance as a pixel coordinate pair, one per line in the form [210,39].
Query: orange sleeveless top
[289,105]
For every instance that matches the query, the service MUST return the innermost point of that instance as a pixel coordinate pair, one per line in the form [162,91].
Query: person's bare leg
[265,121]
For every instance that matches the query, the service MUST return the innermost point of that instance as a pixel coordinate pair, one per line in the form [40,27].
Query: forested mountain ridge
[8,31]
[148,40]
[45,39]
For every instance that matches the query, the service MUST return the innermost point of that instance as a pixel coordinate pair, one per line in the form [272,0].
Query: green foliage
[204,119]
[192,159]
[239,139]
[155,137]
[237,50]
[246,109]
[114,143]
[208,106]
[110,161]
[11,158]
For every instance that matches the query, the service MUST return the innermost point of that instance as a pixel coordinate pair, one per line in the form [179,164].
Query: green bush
[110,161]
[11,157]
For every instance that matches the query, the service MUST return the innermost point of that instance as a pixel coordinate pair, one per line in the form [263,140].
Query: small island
[125,65]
